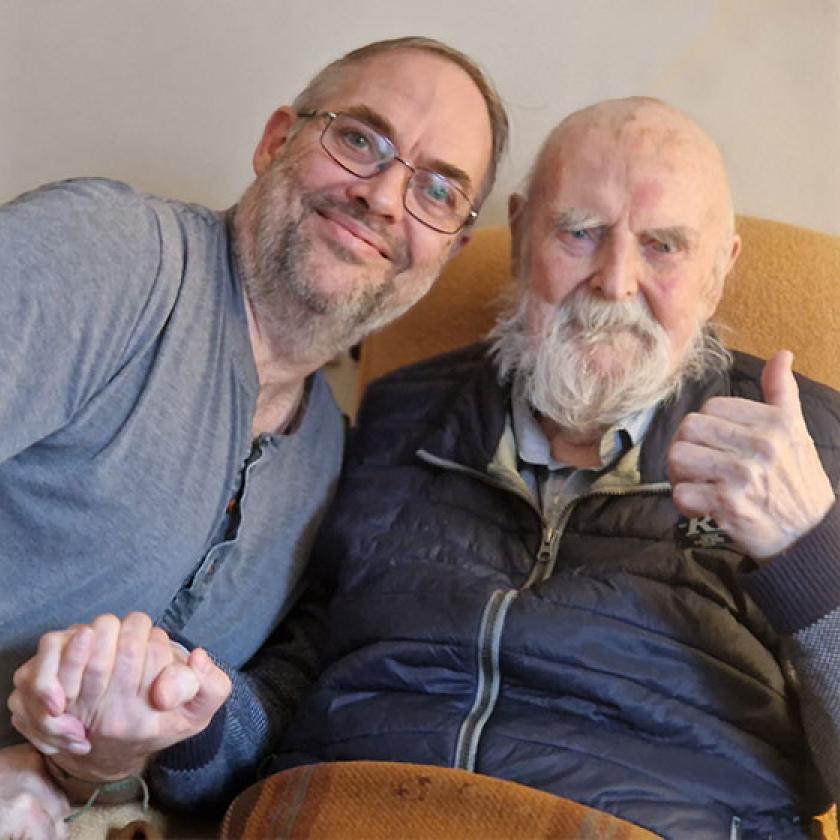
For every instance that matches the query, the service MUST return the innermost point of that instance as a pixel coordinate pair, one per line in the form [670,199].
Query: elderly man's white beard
[589,363]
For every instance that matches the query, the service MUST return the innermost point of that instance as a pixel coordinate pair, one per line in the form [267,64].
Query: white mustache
[595,317]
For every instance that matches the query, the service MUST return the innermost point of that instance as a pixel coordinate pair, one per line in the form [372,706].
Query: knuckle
[25,802]
[21,677]
[97,673]
[714,405]
[768,446]
[743,473]
[21,723]
[106,623]
[50,640]
[158,637]
[128,659]
[74,656]
[14,703]
[690,424]
[677,452]
[139,620]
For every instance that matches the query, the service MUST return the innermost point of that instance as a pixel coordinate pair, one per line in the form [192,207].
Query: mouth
[359,232]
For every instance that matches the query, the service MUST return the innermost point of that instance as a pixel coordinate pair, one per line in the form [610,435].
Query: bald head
[634,130]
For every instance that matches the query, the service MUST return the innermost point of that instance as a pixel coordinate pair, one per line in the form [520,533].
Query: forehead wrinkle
[614,139]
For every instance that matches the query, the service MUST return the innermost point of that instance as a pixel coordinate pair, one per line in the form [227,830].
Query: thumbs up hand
[752,466]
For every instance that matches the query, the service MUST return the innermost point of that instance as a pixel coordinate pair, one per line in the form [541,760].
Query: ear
[734,251]
[516,214]
[728,258]
[274,137]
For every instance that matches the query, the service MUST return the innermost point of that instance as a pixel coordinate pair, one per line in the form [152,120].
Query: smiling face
[333,255]
[629,201]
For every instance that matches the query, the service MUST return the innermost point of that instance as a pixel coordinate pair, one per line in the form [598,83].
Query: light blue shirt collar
[533,446]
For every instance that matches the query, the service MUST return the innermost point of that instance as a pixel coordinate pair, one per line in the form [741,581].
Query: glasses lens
[357,146]
[437,201]
[430,197]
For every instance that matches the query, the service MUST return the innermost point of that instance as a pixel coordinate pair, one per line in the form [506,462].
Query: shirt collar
[533,446]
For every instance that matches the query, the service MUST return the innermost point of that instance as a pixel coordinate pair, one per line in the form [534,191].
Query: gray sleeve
[799,592]
[815,655]
[77,261]
[209,770]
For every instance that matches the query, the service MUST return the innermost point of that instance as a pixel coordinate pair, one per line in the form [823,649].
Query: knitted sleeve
[799,592]
[205,772]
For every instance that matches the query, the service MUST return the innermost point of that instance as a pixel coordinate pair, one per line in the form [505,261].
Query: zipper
[551,535]
[495,610]
[489,678]
[547,554]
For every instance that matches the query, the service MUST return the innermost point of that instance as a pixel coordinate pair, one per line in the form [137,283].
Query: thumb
[174,686]
[778,384]
[213,686]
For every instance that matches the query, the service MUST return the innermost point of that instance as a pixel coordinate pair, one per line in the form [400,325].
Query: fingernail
[79,747]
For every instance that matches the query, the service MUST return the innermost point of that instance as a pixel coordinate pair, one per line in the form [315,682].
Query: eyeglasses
[361,150]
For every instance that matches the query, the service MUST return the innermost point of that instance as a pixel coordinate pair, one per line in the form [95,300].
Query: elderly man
[592,557]
[167,446]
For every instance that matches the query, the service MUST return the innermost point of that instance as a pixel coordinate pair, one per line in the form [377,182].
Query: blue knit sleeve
[207,771]
[800,594]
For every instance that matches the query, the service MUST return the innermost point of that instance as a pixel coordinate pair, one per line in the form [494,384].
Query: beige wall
[171,95]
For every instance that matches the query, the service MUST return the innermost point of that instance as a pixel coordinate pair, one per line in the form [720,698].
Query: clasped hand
[752,466]
[102,698]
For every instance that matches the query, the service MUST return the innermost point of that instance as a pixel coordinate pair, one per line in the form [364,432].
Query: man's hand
[30,806]
[752,466]
[102,699]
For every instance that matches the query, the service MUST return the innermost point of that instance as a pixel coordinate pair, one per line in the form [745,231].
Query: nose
[618,273]
[382,194]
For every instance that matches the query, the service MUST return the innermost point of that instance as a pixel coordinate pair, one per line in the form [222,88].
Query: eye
[580,238]
[434,190]
[356,140]
[439,191]
[663,247]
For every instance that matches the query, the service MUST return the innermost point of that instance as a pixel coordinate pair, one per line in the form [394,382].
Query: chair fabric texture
[379,800]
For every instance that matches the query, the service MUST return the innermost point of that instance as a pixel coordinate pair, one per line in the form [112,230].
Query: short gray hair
[324,82]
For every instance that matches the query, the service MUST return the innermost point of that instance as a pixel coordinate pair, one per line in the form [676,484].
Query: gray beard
[552,364]
[296,317]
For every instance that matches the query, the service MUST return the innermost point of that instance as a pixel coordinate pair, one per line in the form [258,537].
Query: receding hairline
[330,77]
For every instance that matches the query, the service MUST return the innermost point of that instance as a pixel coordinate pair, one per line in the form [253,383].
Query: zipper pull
[544,554]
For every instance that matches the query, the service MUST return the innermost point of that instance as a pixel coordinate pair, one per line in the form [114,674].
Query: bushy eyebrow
[573,219]
[384,126]
[373,118]
[680,238]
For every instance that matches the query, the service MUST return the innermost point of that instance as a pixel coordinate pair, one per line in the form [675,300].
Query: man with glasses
[167,444]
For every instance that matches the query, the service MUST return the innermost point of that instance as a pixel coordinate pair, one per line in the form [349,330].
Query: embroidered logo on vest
[700,532]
